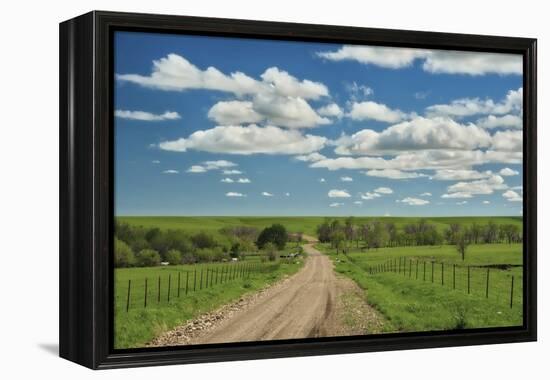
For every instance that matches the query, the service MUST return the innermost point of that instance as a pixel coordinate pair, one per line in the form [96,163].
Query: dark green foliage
[173,256]
[235,250]
[323,232]
[124,256]
[275,234]
[203,240]
[147,258]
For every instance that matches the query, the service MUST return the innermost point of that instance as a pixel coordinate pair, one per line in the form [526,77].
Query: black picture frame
[86,188]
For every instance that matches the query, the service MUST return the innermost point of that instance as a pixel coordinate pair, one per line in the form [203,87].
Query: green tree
[338,239]
[124,256]
[235,250]
[270,250]
[323,232]
[275,234]
[203,240]
[379,236]
[173,256]
[462,243]
[148,258]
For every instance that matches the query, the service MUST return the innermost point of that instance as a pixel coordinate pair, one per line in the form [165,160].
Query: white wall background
[29,187]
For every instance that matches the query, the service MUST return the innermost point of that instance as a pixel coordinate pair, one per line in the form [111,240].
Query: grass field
[306,224]
[140,324]
[412,302]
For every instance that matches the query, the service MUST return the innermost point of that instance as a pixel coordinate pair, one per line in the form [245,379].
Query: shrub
[270,251]
[124,256]
[275,234]
[203,240]
[148,258]
[173,256]
[188,258]
[235,250]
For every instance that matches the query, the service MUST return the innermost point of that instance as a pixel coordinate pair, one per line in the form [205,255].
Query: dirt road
[309,304]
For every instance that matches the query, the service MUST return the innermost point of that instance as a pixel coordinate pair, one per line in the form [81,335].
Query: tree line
[378,234]
[137,246]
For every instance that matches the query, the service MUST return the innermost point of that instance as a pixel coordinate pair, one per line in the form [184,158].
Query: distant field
[412,302]
[306,224]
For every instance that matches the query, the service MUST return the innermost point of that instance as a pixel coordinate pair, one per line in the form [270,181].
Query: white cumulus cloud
[512,196]
[338,194]
[170,171]
[383,190]
[146,116]
[375,111]
[331,110]
[506,121]
[233,194]
[335,204]
[414,201]
[266,194]
[393,174]
[312,157]
[346,179]
[434,61]
[247,140]
[369,195]
[464,107]
[507,172]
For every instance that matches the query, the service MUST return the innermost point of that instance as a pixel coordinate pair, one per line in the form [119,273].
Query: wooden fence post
[417,269]
[145,295]
[410,267]
[442,274]
[206,284]
[158,293]
[186,282]
[468,279]
[487,285]
[200,287]
[128,296]
[169,286]
[179,283]
[399,268]
[195,281]
[424,270]
[512,293]
[433,271]
[454,276]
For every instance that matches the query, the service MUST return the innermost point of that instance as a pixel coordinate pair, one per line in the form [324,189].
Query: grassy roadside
[412,304]
[140,325]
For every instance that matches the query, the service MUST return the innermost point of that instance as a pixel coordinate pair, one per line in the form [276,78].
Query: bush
[203,240]
[148,258]
[124,256]
[270,251]
[235,250]
[173,256]
[189,258]
[275,234]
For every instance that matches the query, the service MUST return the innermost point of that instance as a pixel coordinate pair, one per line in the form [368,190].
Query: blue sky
[227,126]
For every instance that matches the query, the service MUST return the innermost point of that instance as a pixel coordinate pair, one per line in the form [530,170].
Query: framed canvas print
[239,189]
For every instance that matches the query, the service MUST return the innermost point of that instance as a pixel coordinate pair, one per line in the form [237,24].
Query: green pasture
[226,282]
[411,298]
